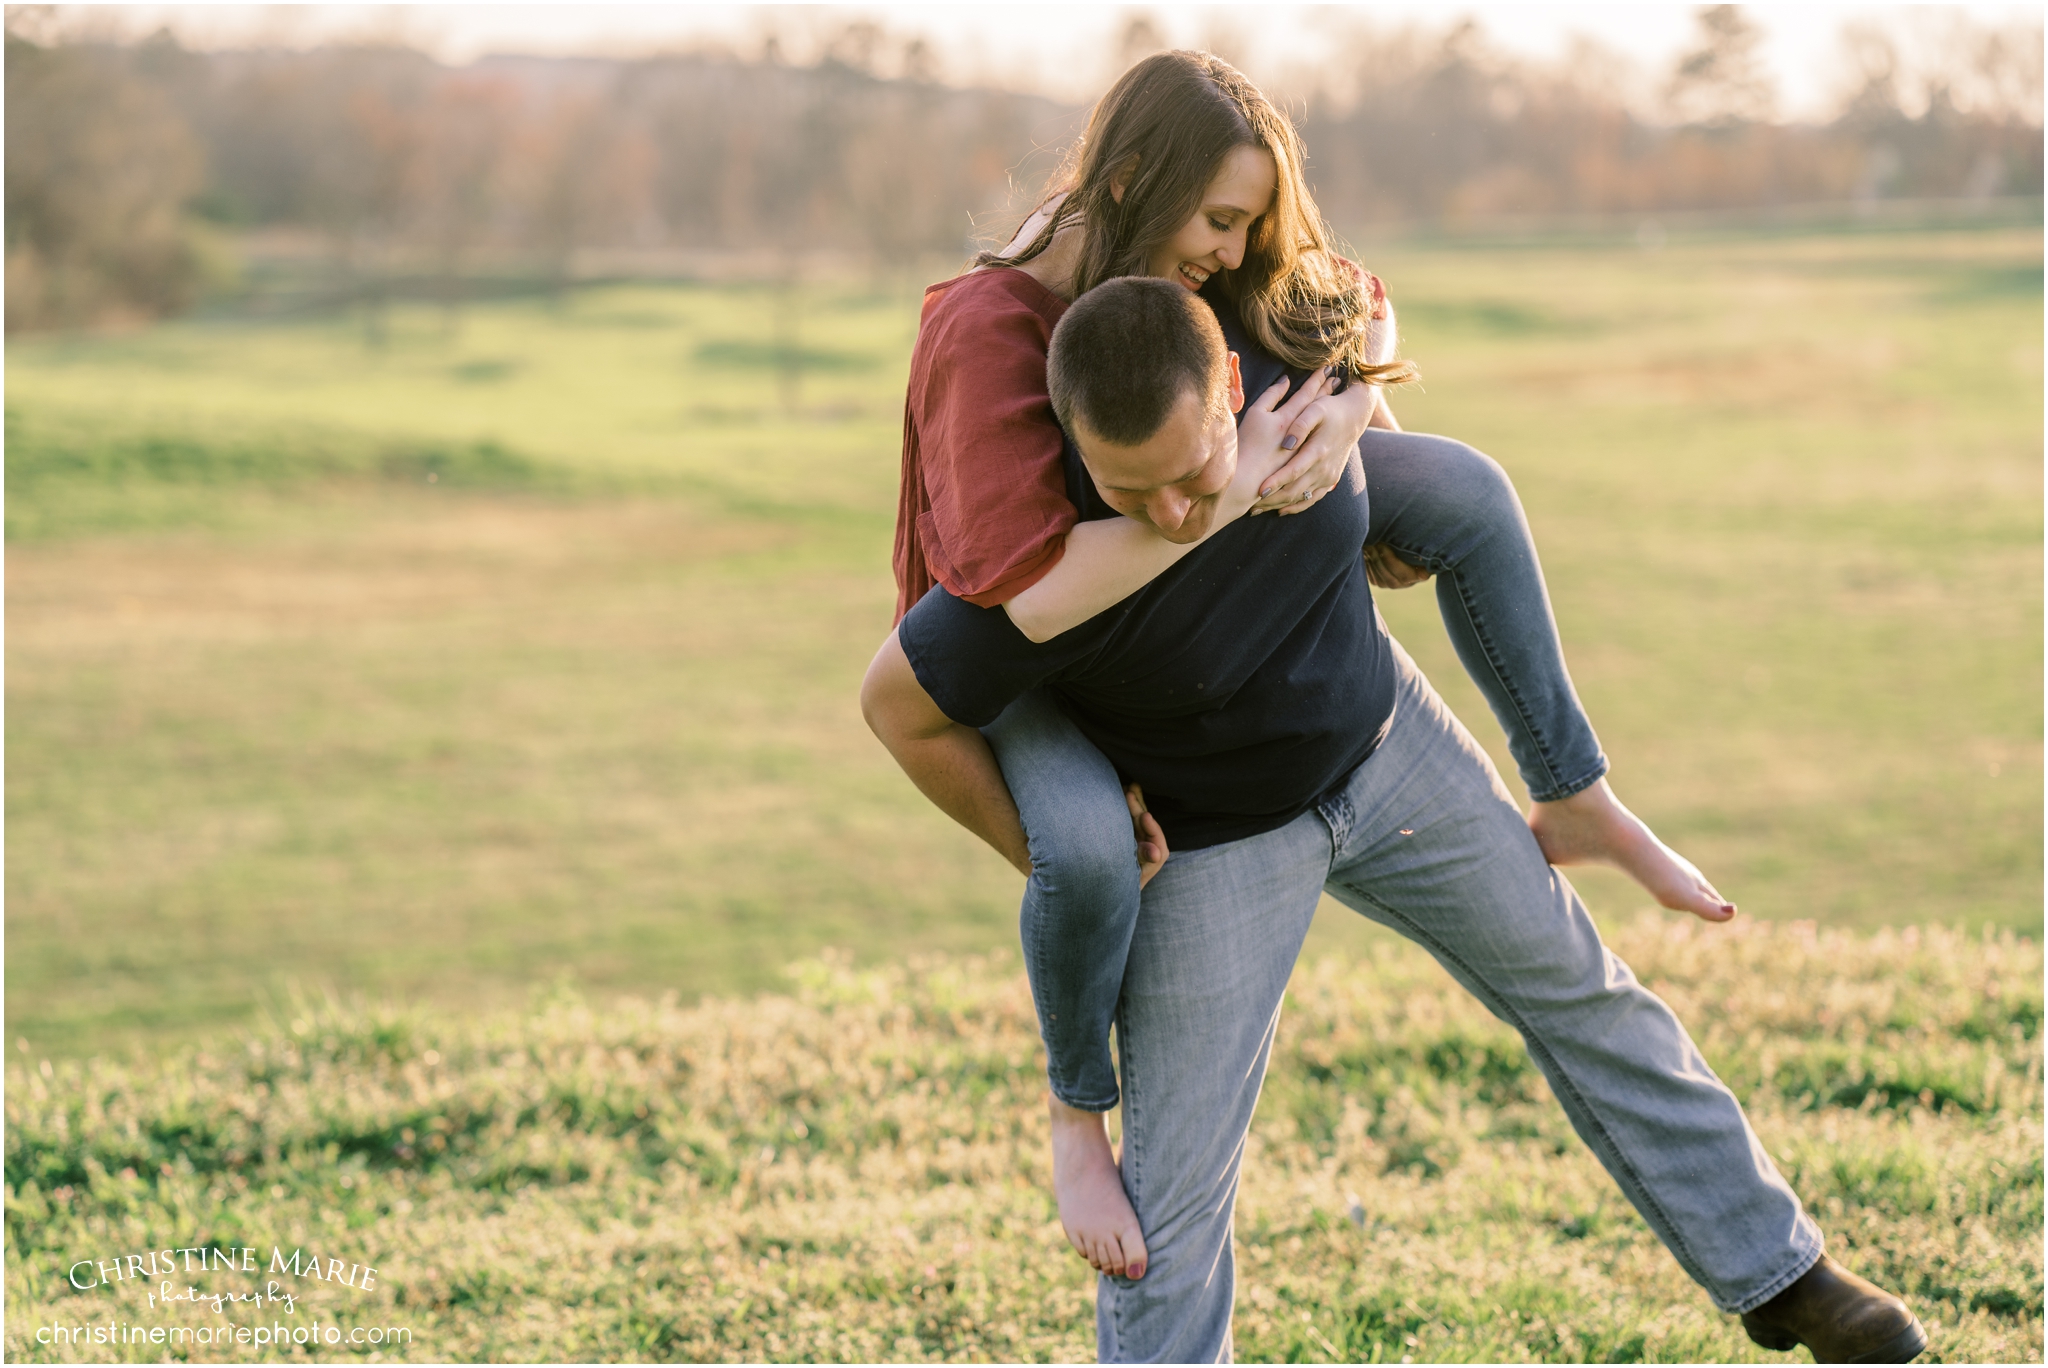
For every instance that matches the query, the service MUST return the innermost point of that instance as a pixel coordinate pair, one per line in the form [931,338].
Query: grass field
[429,698]
[857,1172]
[528,653]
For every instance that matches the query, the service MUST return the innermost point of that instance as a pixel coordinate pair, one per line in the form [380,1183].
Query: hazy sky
[1062,49]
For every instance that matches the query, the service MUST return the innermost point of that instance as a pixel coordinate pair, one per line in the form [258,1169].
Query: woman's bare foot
[1592,827]
[1094,1210]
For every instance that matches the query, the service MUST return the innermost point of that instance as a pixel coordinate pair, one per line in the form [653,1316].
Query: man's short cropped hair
[1125,353]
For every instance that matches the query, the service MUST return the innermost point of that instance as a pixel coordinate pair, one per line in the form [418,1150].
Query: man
[1288,746]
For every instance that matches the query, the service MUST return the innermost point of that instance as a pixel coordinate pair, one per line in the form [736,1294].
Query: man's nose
[1168,509]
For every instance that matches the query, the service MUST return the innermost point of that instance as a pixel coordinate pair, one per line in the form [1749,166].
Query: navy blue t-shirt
[1239,687]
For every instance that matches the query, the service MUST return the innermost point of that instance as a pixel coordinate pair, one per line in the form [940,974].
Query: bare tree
[1141,37]
[99,171]
[470,129]
[587,175]
[1722,80]
[377,174]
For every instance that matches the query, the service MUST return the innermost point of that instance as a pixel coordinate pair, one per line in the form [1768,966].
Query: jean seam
[1130,1171]
[1062,1088]
[1533,1043]
[1563,791]
[1500,673]
[1036,973]
[1097,1107]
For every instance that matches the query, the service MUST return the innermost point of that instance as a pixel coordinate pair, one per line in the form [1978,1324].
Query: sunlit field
[525,651]
[857,1172]
[379,716]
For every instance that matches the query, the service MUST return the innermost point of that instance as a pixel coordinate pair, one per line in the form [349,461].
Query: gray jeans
[1423,839]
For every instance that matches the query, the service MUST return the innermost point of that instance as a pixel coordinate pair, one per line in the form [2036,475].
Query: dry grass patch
[857,1171]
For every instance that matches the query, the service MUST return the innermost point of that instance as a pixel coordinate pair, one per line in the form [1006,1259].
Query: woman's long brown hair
[1167,125]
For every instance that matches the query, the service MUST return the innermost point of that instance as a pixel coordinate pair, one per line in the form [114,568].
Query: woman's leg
[1081,901]
[1080,905]
[1446,508]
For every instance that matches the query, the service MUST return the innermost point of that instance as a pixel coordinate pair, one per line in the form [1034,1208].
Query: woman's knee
[1443,499]
[1089,850]
[1476,483]
[1068,797]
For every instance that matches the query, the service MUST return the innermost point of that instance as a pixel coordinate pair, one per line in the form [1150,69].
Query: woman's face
[1213,240]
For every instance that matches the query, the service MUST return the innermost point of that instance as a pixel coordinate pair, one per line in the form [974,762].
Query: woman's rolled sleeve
[989,514]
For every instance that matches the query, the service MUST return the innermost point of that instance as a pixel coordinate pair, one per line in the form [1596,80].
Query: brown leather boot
[1840,1317]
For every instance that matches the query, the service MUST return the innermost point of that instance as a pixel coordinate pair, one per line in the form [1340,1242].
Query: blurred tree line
[127,164]
[130,166]
[1451,131]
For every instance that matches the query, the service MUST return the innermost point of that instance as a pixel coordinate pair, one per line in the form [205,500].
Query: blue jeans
[1439,504]
[1425,840]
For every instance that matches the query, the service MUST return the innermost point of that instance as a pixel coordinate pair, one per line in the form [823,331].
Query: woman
[1187,173]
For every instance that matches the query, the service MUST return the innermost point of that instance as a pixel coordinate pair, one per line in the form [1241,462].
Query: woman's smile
[1214,238]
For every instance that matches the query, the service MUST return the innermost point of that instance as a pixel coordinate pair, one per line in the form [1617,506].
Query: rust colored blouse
[982,507]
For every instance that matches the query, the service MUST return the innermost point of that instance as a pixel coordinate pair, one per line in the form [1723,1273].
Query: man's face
[1172,481]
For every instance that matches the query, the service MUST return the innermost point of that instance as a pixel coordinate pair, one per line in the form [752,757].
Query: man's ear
[1236,386]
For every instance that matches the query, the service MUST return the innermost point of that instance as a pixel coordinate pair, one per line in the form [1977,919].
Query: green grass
[1788,495]
[498,674]
[529,652]
[857,1172]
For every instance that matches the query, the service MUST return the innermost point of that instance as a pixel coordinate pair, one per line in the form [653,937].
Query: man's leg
[1430,844]
[1217,937]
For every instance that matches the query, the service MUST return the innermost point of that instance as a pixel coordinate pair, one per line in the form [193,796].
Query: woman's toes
[1592,827]
[1123,1259]
[1703,900]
